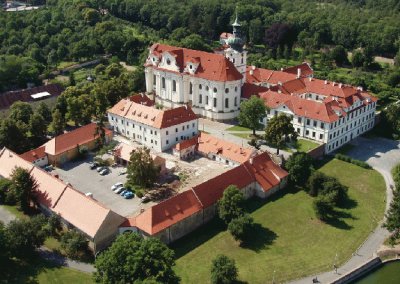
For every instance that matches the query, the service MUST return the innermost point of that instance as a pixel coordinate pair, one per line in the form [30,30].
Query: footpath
[6,217]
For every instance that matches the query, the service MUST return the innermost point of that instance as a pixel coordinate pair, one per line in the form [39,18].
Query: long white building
[154,128]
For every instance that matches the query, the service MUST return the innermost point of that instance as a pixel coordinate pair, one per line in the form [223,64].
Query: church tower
[236,52]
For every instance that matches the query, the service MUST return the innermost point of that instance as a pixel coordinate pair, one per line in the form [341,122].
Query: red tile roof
[151,116]
[142,99]
[8,98]
[211,191]
[68,141]
[187,143]
[212,66]
[305,70]
[168,212]
[251,89]
[209,144]
[34,154]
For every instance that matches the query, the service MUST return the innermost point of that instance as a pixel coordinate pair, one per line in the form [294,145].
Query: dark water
[388,273]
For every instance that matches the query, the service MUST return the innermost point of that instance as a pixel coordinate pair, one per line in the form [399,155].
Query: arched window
[200,99]
[154,80]
[235,101]
[200,86]
[215,102]
[163,83]
[207,88]
[190,88]
[206,100]
[173,85]
[226,90]
[226,103]
[215,90]
[235,89]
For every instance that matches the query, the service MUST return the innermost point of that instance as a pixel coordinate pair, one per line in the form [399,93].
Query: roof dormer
[192,64]
[169,61]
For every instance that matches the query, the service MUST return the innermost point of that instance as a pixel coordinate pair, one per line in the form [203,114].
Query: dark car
[93,165]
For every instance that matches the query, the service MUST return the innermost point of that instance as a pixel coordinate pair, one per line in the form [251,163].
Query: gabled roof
[168,212]
[151,116]
[70,140]
[9,161]
[305,70]
[251,89]
[49,188]
[34,154]
[209,144]
[141,99]
[81,211]
[214,67]
[209,192]
[265,171]
[8,98]
[187,143]
[123,151]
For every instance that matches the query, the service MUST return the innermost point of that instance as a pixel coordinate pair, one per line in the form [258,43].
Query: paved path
[218,129]
[382,154]
[6,217]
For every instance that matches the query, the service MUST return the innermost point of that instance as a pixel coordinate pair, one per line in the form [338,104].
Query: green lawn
[63,275]
[289,239]
[303,145]
[242,135]
[65,64]
[238,128]
[14,210]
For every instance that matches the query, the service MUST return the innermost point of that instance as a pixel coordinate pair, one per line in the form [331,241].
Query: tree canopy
[223,270]
[252,112]
[141,169]
[230,206]
[131,258]
[279,129]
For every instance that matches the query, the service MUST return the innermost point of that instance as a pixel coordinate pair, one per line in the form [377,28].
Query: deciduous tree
[299,167]
[24,186]
[74,243]
[141,169]
[230,206]
[252,112]
[241,227]
[223,270]
[132,258]
[278,130]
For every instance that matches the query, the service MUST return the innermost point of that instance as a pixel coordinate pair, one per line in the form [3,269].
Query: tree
[299,167]
[391,119]
[4,247]
[37,127]
[315,183]
[13,135]
[73,243]
[251,112]
[339,55]
[57,124]
[357,59]
[26,235]
[141,169]
[255,31]
[54,224]
[21,112]
[230,206]
[241,227]
[24,186]
[132,258]
[392,222]
[278,130]
[223,270]
[45,112]
[196,42]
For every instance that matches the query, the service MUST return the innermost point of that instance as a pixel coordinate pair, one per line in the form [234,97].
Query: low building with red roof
[36,156]
[154,128]
[183,213]
[99,224]
[65,147]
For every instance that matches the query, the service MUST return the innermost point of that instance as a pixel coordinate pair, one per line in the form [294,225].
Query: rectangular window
[176,129]
[321,136]
[176,139]
[206,100]
[200,99]
[313,134]
[299,119]
[155,132]
[215,102]
[322,125]
[183,127]
[298,130]
[308,122]
[167,132]
[167,142]
[193,125]
[307,132]
[315,123]
[187,126]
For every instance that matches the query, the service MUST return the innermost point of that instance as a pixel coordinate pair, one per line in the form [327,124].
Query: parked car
[145,199]
[93,165]
[122,172]
[114,165]
[99,169]
[119,190]
[48,168]
[123,192]
[115,186]
[128,195]
[105,171]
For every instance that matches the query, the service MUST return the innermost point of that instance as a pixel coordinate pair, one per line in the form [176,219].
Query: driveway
[382,154]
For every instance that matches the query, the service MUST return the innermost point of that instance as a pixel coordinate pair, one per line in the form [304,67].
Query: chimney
[251,72]
[241,150]
[298,73]
[359,88]
[340,85]
[333,83]
[142,95]
[253,67]
[281,69]
[326,82]
[279,83]
[310,79]
[251,160]
[89,194]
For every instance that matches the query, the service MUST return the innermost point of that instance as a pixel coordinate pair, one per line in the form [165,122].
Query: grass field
[303,145]
[238,128]
[288,238]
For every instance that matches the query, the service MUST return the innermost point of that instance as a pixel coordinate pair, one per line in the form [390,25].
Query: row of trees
[392,222]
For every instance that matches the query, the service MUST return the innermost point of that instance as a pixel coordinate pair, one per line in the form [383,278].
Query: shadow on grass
[348,203]
[259,238]
[337,220]
[25,271]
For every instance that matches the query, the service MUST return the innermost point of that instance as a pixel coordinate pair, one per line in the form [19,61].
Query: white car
[115,186]
[119,190]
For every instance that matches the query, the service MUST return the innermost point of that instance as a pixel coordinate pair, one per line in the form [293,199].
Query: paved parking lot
[82,178]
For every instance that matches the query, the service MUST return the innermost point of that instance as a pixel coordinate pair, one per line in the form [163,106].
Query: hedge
[352,161]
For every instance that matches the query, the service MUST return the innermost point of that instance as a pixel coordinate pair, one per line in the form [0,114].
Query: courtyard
[82,178]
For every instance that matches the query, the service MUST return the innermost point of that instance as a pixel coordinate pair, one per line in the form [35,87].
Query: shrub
[347,159]
[241,227]
[74,243]
[223,270]
[230,206]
